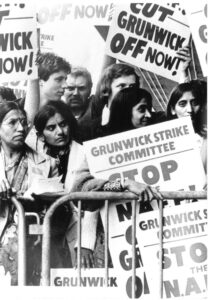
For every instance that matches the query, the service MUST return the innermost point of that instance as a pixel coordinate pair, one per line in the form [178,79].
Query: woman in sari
[19,167]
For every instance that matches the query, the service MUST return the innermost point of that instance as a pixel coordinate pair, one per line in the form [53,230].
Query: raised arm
[32,99]
[185,55]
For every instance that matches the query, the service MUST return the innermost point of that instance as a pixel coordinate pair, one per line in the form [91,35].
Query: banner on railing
[148,35]
[92,283]
[184,263]
[18,41]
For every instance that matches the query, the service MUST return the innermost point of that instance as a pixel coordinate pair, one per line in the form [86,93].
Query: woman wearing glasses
[19,167]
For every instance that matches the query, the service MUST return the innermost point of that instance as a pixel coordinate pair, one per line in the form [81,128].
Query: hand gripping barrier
[102,196]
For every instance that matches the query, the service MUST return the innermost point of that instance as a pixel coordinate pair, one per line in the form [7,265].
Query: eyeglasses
[13,123]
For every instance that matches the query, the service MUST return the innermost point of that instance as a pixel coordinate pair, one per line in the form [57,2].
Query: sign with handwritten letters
[18,41]
[148,35]
[198,22]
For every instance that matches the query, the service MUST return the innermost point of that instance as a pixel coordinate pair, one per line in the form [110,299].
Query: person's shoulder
[34,142]
[36,156]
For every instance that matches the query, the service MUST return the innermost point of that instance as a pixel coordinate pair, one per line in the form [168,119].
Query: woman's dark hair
[7,93]
[199,90]
[6,107]
[121,108]
[49,110]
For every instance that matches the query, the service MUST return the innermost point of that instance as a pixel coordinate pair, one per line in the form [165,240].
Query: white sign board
[197,17]
[18,41]
[80,26]
[185,250]
[184,246]
[148,35]
[158,155]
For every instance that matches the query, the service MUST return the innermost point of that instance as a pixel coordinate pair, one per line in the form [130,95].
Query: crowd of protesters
[41,137]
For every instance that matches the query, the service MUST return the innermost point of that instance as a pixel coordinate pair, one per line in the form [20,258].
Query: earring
[173,111]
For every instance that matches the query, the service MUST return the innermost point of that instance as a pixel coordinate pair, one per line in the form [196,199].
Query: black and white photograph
[103,150]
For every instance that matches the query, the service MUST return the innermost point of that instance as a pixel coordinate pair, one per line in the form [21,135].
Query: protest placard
[78,26]
[197,17]
[92,282]
[19,87]
[184,249]
[148,35]
[92,11]
[158,155]
[18,41]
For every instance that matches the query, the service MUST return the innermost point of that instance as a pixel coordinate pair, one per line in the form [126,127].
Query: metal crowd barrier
[21,242]
[102,196]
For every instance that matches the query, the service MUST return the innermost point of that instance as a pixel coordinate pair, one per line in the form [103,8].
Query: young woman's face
[141,114]
[13,129]
[56,132]
[187,105]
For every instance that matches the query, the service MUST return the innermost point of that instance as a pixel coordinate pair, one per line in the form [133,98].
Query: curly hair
[49,63]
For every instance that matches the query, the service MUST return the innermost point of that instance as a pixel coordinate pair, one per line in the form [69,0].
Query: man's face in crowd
[54,87]
[77,92]
[120,83]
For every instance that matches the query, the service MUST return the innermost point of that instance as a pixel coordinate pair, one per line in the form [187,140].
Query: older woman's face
[56,132]
[141,114]
[13,129]
[187,105]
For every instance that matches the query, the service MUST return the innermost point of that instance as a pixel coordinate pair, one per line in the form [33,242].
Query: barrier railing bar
[161,247]
[100,196]
[79,244]
[21,242]
[106,242]
[37,217]
[133,238]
